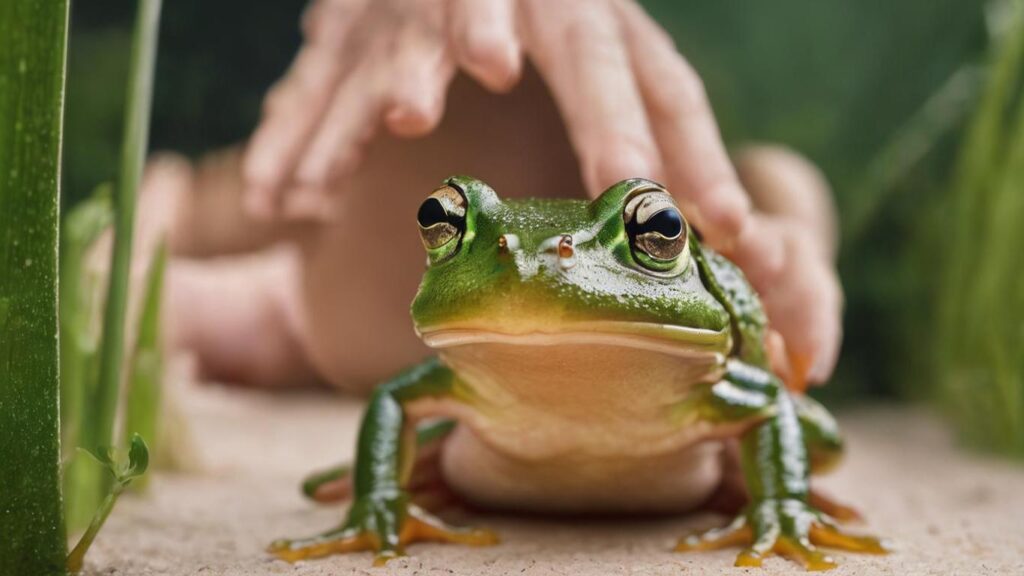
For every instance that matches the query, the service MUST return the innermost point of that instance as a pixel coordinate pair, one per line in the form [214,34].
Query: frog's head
[617,269]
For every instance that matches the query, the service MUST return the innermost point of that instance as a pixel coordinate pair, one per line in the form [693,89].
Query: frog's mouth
[666,339]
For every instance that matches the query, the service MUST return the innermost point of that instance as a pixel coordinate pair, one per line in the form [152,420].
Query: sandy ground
[947,512]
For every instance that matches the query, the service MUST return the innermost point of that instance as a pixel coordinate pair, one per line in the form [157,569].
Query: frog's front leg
[382,518]
[428,489]
[774,458]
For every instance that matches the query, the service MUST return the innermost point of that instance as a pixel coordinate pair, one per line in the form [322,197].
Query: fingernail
[410,121]
[823,366]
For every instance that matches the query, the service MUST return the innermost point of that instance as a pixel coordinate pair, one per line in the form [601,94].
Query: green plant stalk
[80,303]
[33,48]
[77,556]
[122,474]
[100,429]
[142,409]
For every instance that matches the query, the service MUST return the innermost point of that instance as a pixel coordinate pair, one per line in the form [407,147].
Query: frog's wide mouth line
[673,340]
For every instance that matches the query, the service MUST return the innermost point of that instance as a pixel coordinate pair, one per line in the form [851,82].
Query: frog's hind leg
[382,517]
[427,485]
[731,496]
[776,457]
[824,444]
[824,450]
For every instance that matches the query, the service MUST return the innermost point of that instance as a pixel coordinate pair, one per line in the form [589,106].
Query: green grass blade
[981,306]
[79,304]
[100,429]
[142,409]
[33,45]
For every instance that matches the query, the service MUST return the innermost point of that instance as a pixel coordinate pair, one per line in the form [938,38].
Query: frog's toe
[423,527]
[417,526]
[831,536]
[734,534]
[333,542]
[801,551]
[787,528]
[739,533]
[833,508]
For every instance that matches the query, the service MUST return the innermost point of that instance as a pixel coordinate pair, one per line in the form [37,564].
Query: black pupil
[431,212]
[668,223]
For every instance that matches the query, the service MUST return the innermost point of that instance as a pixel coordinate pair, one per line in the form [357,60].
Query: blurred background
[911,108]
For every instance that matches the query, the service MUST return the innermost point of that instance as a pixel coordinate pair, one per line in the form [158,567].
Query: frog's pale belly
[578,423]
[675,481]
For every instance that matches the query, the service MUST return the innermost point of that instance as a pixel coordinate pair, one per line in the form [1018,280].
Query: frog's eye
[442,221]
[656,229]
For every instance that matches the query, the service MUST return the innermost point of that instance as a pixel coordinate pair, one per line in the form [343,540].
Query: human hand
[631,104]
[794,268]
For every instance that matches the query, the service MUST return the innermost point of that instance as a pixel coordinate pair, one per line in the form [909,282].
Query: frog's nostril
[566,252]
[508,243]
[562,246]
[565,247]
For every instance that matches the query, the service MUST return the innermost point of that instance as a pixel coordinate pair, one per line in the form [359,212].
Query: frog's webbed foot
[787,527]
[383,526]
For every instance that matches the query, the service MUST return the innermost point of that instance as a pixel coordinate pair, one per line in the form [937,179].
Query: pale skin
[295,261]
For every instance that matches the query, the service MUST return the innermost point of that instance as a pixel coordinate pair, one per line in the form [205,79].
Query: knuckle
[681,93]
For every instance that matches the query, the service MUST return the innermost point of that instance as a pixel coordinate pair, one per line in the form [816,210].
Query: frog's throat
[663,338]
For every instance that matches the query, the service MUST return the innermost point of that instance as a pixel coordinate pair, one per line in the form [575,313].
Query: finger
[483,38]
[423,69]
[348,124]
[697,165]
[781,182]
[804,304]
[327,23]
[292,113]
[824,344]
[760,250]
[582,58]
[309,203]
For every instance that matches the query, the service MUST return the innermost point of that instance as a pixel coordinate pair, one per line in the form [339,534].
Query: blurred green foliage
[837,81]
[216,60]
[980,308]
[834,80]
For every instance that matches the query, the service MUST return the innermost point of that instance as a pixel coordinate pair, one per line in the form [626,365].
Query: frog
[590,357]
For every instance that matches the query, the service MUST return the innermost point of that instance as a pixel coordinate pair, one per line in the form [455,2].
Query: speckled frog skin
[591,357]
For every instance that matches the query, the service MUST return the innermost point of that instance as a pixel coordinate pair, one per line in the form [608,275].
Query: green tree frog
[591,357]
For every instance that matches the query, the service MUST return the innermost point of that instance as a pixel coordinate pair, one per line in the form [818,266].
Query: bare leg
[238,314]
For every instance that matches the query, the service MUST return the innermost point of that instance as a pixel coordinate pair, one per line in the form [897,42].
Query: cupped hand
[788,253]
[631,104]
